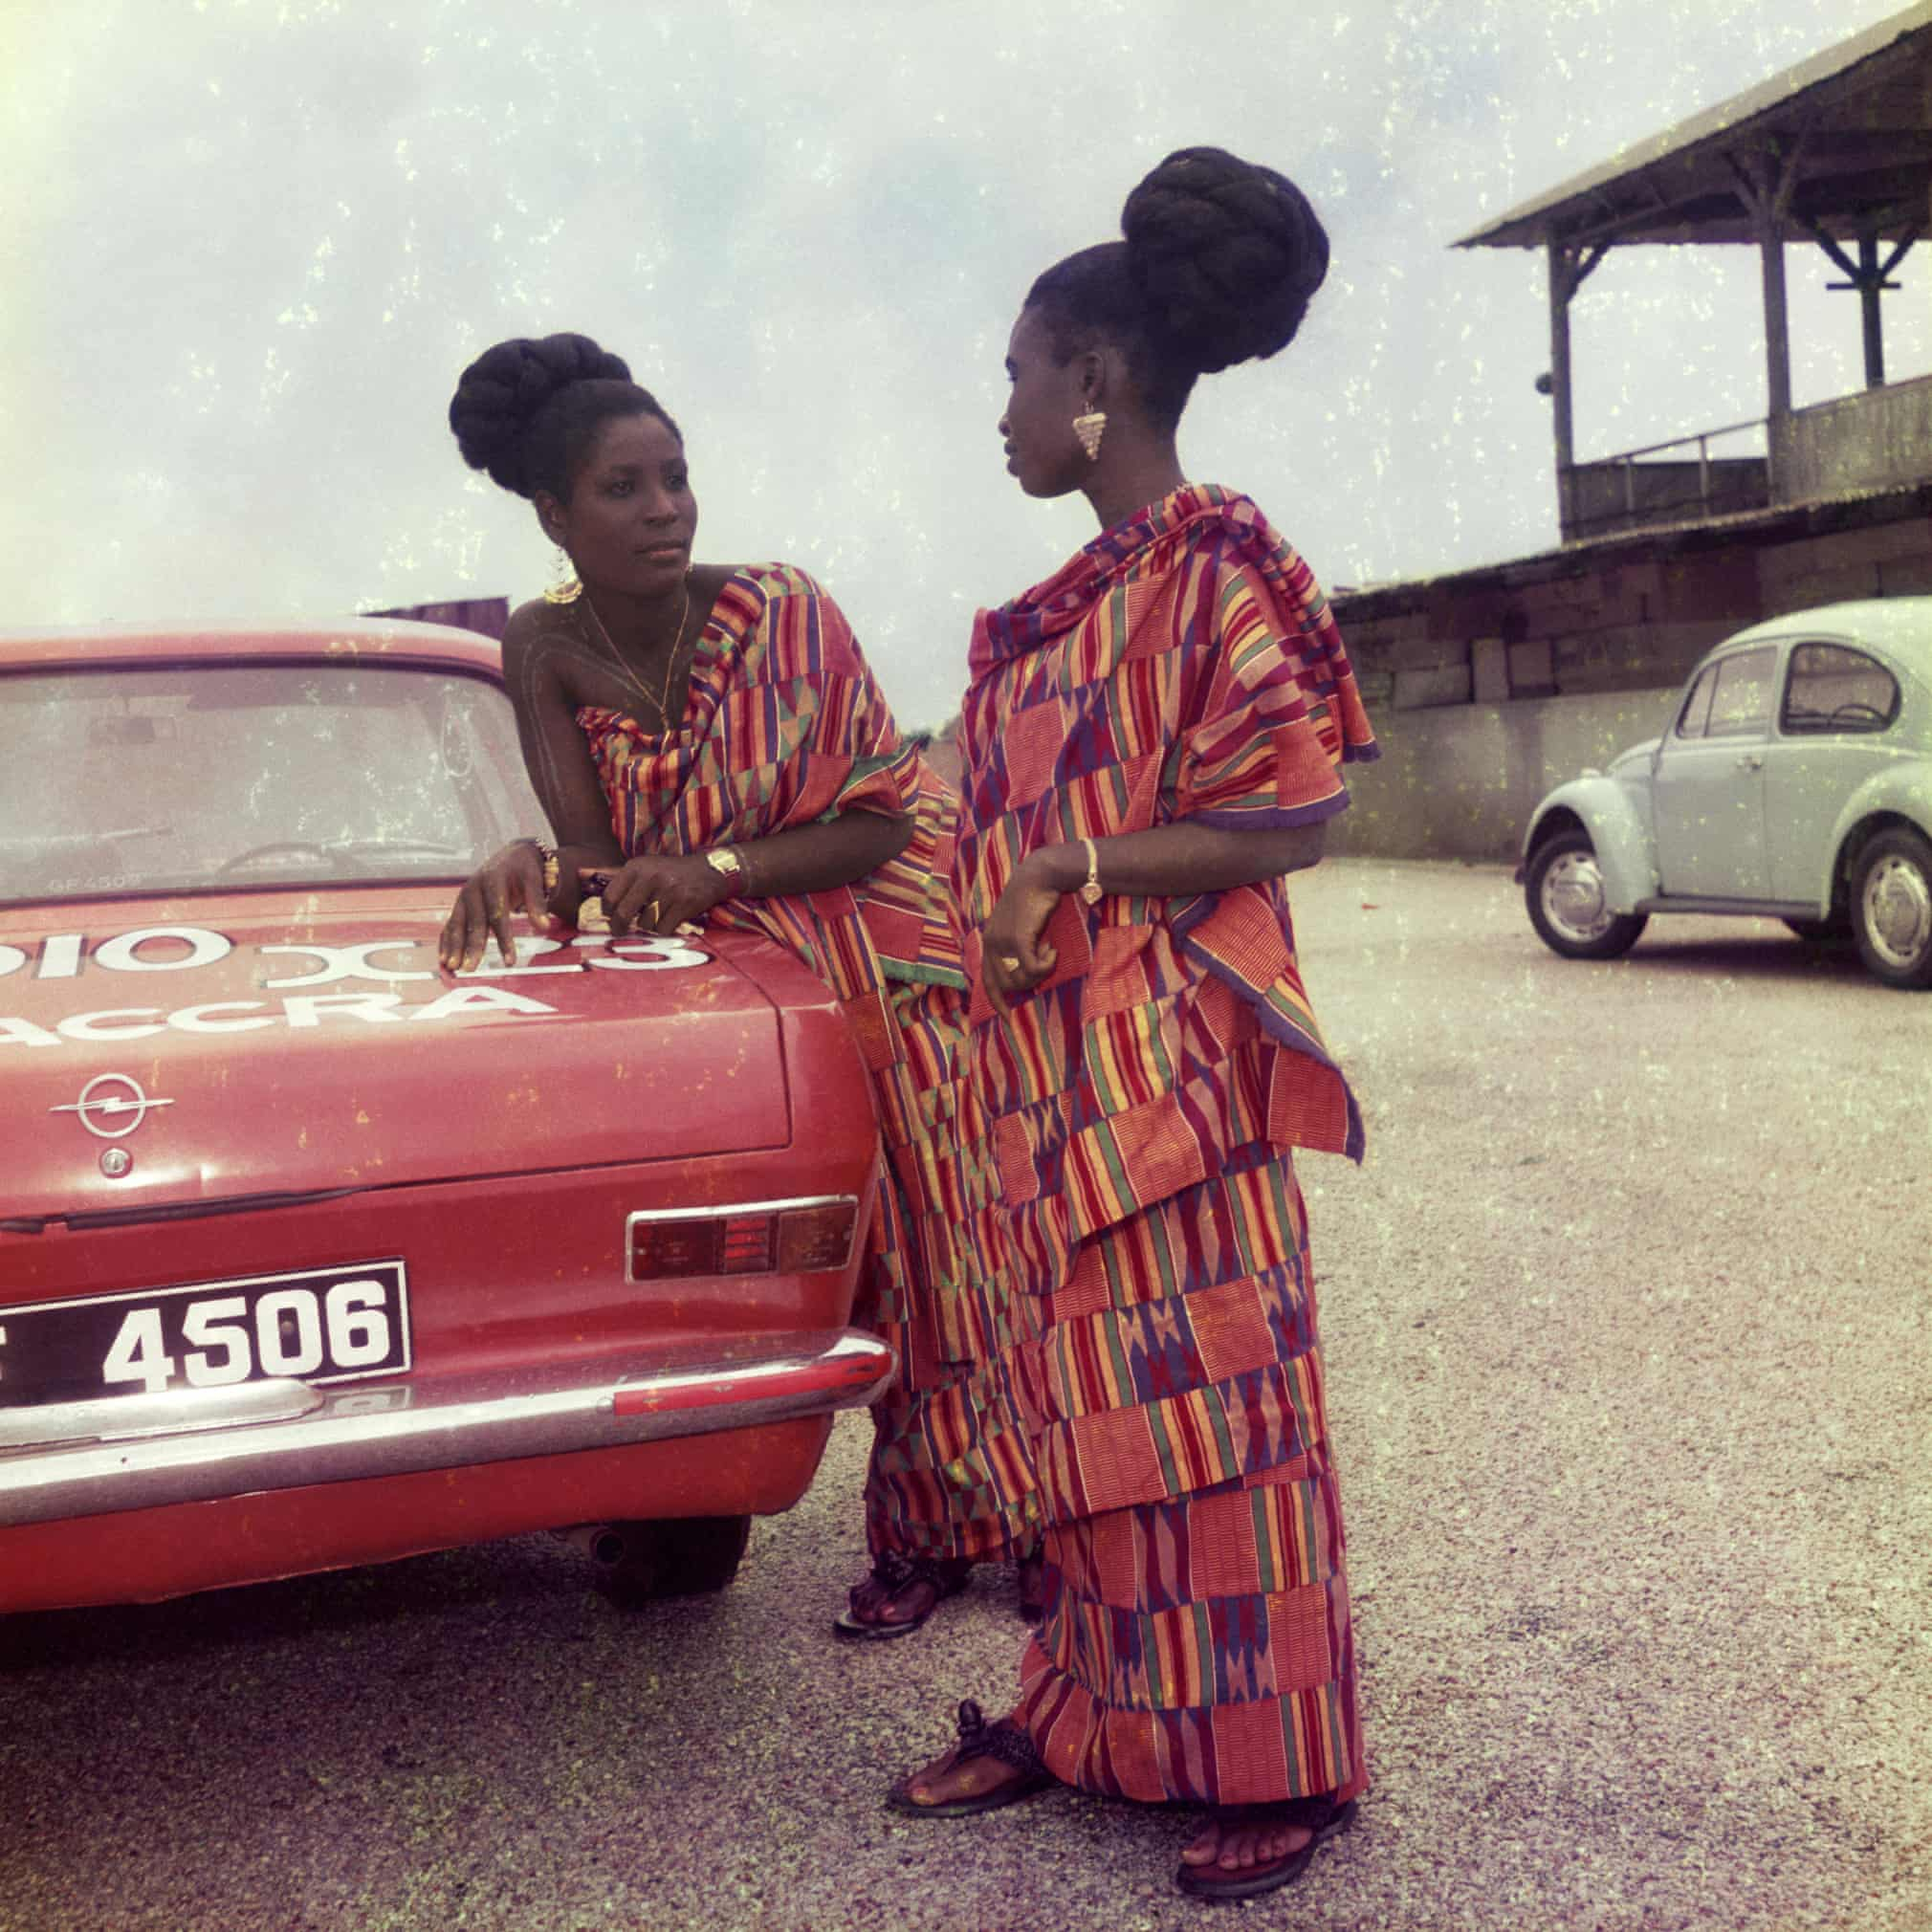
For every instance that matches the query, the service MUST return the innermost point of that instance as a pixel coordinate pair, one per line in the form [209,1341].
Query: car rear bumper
[142,1453]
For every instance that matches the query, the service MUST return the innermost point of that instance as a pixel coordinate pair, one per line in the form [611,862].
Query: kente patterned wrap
[1131,1208]
[784,726]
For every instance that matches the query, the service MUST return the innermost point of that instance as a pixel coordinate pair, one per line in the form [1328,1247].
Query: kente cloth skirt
[1197,1644]
[946,1481]
[1200,1649]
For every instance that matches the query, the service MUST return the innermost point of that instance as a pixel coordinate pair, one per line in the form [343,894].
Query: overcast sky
[248,246]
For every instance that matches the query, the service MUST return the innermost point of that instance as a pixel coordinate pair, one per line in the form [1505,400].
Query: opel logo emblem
[111,1105]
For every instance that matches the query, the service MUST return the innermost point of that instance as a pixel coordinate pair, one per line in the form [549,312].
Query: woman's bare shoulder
[538,623]
[541,645]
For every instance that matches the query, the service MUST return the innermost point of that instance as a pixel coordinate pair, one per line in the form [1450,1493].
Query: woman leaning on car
[709,739]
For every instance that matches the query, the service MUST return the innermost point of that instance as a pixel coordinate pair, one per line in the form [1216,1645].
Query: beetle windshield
[216,776]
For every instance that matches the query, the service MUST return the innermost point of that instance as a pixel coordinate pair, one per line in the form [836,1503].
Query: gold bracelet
[1089,893]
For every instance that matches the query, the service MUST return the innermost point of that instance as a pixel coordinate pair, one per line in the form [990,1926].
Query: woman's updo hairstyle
[527,411]
[1220,259]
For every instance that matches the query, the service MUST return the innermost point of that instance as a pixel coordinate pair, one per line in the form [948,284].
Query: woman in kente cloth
[1151,741]
[713,740]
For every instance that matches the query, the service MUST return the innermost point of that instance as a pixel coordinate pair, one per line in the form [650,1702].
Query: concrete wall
[1488,688]
[1606,496]
[1462,781]
[1888,559]
[1862,442]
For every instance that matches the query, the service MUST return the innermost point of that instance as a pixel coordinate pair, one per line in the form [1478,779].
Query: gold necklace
[660,699]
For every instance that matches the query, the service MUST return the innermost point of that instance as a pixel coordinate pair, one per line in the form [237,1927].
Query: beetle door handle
[1749,762]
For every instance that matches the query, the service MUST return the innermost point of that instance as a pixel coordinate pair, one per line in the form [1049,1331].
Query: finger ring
[651,913]
[1009,963]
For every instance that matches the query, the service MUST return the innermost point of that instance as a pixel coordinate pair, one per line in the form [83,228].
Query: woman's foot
[900,1594]
[1245,1850]
[991,1766]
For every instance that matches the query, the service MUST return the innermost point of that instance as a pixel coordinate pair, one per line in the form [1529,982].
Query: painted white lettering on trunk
[527,949]
[647,953]
[308,1009]
[251,1016]
[122,954]
[157,949]
[95,1025]
[347,962]
[196,1018]
[479,999]
[24,1033]
[60,956]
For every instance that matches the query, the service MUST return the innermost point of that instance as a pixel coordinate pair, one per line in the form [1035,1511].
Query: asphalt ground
[1627,1332]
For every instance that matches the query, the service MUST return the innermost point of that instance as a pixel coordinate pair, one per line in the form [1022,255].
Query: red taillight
[745,1244]
[746,1241]
[816,1237]
[662,1248]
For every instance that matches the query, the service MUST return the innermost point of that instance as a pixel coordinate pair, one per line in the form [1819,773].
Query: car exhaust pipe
[603,1543]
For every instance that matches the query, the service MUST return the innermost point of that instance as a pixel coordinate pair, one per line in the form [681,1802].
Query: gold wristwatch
[723,860]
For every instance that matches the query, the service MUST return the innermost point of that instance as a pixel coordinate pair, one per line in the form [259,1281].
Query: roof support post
[1765,186]
[1777,321]
[1871,283]
[1569,268]
[1871,278]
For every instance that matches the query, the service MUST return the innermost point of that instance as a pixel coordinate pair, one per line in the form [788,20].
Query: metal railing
[1636,508]
[1703,439]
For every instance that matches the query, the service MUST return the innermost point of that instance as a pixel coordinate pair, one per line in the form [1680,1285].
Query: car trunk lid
[170,1057]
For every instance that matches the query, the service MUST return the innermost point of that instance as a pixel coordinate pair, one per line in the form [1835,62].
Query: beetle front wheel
[1565,894]
[1892,908]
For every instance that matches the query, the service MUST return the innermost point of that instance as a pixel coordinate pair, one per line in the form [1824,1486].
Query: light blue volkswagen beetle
[1794,782]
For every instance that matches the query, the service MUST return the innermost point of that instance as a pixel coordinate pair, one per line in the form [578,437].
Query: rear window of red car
[212,777]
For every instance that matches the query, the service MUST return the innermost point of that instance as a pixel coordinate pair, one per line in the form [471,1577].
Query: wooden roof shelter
[1838,149]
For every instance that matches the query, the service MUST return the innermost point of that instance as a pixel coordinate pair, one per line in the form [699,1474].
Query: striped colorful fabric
[784,726]
[1200,1649]
[1131,1203]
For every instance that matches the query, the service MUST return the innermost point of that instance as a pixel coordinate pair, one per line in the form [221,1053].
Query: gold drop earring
[1090,427]
[563,586]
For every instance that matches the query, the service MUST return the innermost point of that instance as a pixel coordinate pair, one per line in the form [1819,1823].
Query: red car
[312,1255]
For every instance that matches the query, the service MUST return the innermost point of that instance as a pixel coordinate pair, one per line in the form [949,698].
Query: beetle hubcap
[1572,899]
[1898,911]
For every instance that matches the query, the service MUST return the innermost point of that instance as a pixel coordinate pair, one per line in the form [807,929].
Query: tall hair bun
[502,391]
[1226,255]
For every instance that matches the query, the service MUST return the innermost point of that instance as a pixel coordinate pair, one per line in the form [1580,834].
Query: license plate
[314,1325]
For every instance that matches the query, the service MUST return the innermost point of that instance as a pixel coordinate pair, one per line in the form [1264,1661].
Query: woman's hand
[1015,959]
[510,882]
[659,894]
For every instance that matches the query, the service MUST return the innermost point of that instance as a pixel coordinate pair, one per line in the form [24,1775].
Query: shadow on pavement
[524,1570]
[1767,958]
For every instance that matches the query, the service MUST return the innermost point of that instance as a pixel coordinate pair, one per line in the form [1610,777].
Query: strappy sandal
[1320,1817]
[978,1739]
[899,1573]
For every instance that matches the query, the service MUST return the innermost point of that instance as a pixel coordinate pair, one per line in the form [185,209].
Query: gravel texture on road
[1626,1317]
